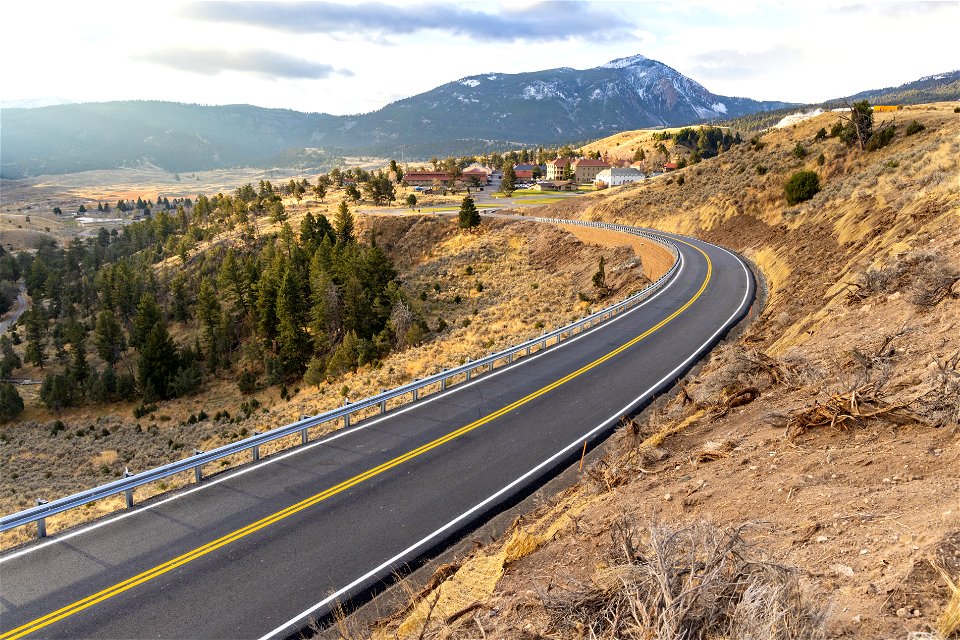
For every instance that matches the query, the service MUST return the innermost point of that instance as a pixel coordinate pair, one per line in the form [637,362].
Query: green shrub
[247,382]
[881,138]
[143,409]
[821,159]
[802,186]
[761,170]
[914,127]
[57,427]
[821,134]
[799,152]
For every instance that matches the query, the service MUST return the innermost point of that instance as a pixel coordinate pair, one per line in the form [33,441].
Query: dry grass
[948,624]
[694,582]
[531,276]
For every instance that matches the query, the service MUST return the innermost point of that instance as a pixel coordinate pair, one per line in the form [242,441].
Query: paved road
[20,306]
[255,552]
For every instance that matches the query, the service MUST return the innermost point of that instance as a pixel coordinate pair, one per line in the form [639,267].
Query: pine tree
[858,125]
[9,360]
[509,183]
[324,305]
[148,315]
[320,190]
[469,216]
[293,343]
[345,357]
[108,338]
[79,369]
[36,331]
[343,224]
[211,317]
[158,363]
[11,404]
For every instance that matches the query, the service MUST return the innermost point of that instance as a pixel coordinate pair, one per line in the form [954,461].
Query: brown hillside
[830,426]
[525,278]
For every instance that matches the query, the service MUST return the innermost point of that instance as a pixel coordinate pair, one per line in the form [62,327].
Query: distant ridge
[472,115]
[941,87]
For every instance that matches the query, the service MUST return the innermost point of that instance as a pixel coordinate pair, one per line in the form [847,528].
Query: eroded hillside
[823,441]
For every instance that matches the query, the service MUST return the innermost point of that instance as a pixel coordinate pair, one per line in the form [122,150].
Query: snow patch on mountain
[719,107]
[470,82]
[620,63]
[541,91]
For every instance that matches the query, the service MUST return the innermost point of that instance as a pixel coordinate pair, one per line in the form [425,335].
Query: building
[425,178]
[614,177]
[474,167]
[669,166]
[468,175]
[554,185]
[585,170]
[556,169]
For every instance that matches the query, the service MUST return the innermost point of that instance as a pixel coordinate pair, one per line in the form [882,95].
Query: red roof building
[425,178]
[585,170]
[556,168]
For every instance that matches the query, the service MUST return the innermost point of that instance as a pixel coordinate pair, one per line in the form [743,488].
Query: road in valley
[258,551]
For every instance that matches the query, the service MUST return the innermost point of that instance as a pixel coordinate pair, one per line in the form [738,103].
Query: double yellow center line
[179,561]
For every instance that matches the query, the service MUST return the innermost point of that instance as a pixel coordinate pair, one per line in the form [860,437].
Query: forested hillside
[260,308]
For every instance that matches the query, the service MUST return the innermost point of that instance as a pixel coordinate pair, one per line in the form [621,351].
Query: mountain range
[472,115]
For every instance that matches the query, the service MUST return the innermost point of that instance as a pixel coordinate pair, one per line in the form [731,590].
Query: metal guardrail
[129,482]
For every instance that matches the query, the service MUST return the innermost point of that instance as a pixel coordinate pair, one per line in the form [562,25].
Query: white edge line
[229,475]
[575,444]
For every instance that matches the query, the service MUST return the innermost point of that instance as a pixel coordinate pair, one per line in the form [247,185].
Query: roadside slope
[832,421]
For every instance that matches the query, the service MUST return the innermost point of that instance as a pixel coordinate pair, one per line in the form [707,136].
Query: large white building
[614,177]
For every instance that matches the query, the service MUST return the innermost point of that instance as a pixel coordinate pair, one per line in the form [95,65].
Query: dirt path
[20,306]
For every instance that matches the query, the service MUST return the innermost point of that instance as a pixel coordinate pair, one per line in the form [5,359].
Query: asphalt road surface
[20,306]
[256,552]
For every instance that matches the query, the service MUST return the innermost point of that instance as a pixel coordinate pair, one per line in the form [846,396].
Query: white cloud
[791,51]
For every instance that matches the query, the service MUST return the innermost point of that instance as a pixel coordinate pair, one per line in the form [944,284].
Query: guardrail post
[527,352]
[256,448]
[509,358]
[443,381]
[383,403]
[346,416]
[416,394]
[197,470]
[469,371]
[304,437]
[128,494]
[41,522]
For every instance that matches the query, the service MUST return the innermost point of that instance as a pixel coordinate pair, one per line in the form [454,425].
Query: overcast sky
[355,57]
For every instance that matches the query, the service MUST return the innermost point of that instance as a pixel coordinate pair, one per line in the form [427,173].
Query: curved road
[257,552]
[20,306]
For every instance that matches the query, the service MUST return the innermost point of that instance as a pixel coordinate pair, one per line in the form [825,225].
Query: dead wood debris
[843,411]
[695,582]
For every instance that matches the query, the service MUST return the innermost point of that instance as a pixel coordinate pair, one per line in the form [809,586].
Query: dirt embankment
[478,293]
[829,429]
